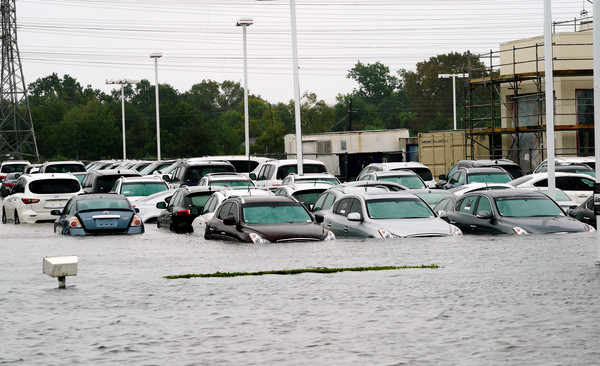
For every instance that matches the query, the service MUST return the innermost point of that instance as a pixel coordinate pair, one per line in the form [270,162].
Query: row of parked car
[269,202]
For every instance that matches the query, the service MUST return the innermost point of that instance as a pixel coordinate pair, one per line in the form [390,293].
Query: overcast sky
[96,40]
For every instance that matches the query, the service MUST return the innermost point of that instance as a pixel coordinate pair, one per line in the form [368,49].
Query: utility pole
[17,137]
[350,116]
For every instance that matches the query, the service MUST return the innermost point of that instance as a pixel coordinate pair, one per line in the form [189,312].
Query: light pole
[245,23]
[156,56]
[453,76]
[123,82]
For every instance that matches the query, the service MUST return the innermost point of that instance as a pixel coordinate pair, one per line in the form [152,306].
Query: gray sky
[94,40]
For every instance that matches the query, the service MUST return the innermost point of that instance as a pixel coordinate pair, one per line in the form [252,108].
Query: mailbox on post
[61,267]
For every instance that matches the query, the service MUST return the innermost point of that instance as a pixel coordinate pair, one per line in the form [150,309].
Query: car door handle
[345,229]
[473,226]
[329,224]
[452,222]
[586,218]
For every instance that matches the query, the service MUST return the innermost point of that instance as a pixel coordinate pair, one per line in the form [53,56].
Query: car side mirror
[195,210]
[55,212]
[484,214]
[442,214]
[166,178]
[319,218]
[137,210]
[17,175]
[161,204]
[354,216]
[571,212]
[253,176]
[443,177]
[230,220]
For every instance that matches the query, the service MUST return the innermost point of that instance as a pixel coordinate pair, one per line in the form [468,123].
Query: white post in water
[596,54]
[549,83]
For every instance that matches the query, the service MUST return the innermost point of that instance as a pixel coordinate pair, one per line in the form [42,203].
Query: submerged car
[95,214]
[33,197]
[264,219]
[135,188]
[508,211]
[385,215]
[585,212]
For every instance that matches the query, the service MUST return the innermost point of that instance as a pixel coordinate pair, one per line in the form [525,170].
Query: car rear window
[64,168]
[195,173]
[244,166]
[199,199]
[103,204]
[285,170]
[54,186]
[11,168]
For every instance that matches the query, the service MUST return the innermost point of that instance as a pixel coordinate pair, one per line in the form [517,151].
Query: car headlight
[330,235]
[257,239]
[520,231]
[590,228]
[455,230]
[386,234]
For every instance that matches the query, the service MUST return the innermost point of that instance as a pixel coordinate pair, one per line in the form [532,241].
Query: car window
[320,201]
[54,186]
[175,199]
[462,178]
[590,205]
[285,170]
[356,206]
[199,199]
[68,207]
[343,207]
[287,180]
[19,187]
[224,210]
[484,204]
[210,205]
[443,205]
[405,208]
[142,189]
[467,205]
[281,192]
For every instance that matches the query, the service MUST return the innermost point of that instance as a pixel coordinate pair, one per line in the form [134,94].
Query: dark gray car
[508,211]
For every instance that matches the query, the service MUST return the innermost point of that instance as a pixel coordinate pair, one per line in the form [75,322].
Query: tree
[374,80]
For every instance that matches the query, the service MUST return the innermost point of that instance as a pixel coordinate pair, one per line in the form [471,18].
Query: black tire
[3,216]
[17,221]
[158,224]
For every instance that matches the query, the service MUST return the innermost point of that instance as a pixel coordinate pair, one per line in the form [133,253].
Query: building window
[343,147]
[323,147]
[585,116]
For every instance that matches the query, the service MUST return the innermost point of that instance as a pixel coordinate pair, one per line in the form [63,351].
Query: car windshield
[524,206]
[65,168]
[275,213]
[307,197]
[143,189]
[560,196]
[333,181]
[408,181]
[424,173]
[393,208]
[489,178]
[103,204]
[433,198]
[54,186]
[235,184]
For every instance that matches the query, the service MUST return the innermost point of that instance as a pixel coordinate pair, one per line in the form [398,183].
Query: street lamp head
[156,55]
[244,22]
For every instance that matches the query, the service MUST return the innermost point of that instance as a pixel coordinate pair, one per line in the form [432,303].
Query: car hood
[288,232]
[433,226]
[546,224]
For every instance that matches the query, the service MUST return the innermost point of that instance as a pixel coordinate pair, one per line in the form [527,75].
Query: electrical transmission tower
[17,138]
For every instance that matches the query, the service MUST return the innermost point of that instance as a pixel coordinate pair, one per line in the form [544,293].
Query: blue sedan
[97,214]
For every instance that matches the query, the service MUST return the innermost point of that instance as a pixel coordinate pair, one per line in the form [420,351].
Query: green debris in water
[297,271]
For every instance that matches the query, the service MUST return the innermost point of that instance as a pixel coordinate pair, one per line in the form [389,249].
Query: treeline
[76,122]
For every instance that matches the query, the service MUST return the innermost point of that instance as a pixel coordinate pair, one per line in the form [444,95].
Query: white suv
[135,188]
[273,172]
[422,170]
[34,196]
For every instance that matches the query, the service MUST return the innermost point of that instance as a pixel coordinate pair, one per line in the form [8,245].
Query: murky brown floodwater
[497,300]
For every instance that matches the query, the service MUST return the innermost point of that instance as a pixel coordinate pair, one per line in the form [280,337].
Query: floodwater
[495,300]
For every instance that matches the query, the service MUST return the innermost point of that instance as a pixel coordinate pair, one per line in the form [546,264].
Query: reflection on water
[497,300]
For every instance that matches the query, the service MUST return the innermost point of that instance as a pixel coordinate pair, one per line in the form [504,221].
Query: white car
[310,178]
[12,166]
[578,186]
[135,188]
[473,187]
[422,170]
[147,205]
[306,193]
[34,196]
[215,200]
[273,172]
[587,160]
[227,179]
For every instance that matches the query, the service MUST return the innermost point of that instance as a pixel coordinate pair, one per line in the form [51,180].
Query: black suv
[189,173]
[102,181]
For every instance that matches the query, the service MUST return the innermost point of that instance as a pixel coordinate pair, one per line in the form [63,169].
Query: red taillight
[8,184]
[29,201]
[2,177]
[136,221]
[74,222]
[183,212]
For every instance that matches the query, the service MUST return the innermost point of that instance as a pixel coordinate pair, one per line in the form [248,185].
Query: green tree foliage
[76,122]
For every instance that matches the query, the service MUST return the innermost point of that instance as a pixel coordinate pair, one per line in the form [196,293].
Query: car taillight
[74,222]
[29,201]
[2,177]
[136,221]
[8,184]
[183,212]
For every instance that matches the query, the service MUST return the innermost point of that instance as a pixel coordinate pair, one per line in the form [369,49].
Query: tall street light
[245,23]
[156,56]
[123,82]
[453,76]
[296,86]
